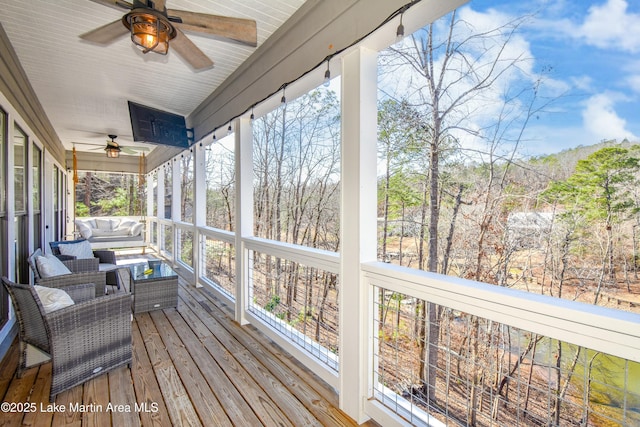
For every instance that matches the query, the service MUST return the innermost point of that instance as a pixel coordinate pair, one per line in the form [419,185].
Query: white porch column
[244,213]
[160,212]
[160,196]
[358,223]
[200,209]
[176,214]
[149,213]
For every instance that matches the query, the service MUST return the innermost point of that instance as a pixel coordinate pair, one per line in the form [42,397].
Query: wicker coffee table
[153,291]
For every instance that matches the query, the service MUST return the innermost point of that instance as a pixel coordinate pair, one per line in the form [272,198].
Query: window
[21,222]
[19,164]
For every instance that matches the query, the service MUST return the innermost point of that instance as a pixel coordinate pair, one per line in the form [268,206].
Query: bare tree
[451,76]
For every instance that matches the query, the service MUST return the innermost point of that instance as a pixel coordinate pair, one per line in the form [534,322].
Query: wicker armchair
[84,340]
[83,271]
[106,260]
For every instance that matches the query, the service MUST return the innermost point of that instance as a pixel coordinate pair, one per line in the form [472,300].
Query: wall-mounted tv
[157,127]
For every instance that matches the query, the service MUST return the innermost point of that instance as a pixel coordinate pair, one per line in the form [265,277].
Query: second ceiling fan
[153,27]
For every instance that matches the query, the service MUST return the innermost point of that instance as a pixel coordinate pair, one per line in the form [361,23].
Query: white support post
[176,214]
[358,224]
[244,213]
[160,214]
[160,196]
[200,210]
[149,210]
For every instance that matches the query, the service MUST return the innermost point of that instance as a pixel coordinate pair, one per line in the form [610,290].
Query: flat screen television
[157,127]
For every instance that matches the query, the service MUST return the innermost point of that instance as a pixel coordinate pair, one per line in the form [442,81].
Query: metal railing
[450,351]
[294,290]
[218,260]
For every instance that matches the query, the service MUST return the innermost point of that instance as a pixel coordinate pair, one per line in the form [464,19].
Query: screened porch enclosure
[317,285]
[303,231]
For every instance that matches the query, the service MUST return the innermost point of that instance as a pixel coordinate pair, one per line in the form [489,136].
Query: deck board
[180,408]
[191,366]
[236,406]
[121,393]
[292,407]
[251,345]
[96,393]
[146,385]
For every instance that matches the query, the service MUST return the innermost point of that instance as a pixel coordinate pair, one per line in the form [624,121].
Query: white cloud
[584,83]
[634,82]
[601,120]
[611,26]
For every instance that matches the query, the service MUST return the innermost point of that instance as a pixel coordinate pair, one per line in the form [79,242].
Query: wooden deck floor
[191,366]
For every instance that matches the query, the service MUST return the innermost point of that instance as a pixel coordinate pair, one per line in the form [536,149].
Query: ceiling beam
[98,162]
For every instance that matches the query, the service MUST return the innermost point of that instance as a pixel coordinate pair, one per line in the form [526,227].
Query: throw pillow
[137,229]
[84,229]
[126,224]
[53,299]
[103,224]
[80,250]
[50,266]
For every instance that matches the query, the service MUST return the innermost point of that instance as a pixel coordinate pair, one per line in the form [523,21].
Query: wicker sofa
[112,231]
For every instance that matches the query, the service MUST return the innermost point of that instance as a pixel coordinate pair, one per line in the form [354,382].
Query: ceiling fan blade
[240,30]
[133,149]
[88,143]
[116,4]
[158,4]
[189,51]
[107,33]
[128,150]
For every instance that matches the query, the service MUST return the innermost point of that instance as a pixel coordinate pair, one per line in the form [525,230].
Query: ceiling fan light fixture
[113,151]
[150,30]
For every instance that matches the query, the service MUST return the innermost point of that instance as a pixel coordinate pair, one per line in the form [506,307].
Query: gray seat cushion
[107,267]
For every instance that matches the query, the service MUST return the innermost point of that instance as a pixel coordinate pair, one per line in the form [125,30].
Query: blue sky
[590,51]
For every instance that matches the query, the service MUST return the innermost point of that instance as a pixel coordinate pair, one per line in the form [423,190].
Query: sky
[588,55]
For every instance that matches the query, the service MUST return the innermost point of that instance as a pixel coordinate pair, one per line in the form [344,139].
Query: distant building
[528,229]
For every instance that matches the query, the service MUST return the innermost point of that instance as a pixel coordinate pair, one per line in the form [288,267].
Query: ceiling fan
[113,149]
[152,27]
